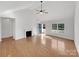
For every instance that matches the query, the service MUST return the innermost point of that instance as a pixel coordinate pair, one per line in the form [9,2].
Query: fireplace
[28,33]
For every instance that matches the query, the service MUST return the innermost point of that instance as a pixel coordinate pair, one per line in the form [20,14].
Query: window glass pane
[54,26]
[60,26]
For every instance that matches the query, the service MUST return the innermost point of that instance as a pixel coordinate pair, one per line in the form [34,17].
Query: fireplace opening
[28,33]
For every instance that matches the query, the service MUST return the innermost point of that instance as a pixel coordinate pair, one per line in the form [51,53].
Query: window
[60,26]
[54,26]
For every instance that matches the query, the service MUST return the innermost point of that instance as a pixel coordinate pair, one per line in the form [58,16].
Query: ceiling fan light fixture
[42,11]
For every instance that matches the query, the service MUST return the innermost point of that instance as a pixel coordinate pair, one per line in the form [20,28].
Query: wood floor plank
[37,46]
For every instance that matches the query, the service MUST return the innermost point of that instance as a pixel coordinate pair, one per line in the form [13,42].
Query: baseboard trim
[7,37]
[60,37]
[24,37]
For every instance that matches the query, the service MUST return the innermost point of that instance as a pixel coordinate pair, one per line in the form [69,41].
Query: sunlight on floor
[43,40]
[55,44]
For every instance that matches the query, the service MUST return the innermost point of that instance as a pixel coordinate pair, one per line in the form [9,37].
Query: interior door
[40,28]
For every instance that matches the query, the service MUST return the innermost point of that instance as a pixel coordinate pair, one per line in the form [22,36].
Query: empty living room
[39,28]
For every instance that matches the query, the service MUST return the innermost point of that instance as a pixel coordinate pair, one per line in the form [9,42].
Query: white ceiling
[16,5]
[7,6]
[56,9]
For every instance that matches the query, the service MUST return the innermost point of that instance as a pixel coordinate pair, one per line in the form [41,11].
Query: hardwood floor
[37,46]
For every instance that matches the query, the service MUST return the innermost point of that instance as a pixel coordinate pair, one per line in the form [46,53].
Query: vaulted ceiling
[17,5]
[56,9]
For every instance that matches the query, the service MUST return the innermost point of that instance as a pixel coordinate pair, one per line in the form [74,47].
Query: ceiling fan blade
[38,10]
[37,13]
[43,10]
[46,12]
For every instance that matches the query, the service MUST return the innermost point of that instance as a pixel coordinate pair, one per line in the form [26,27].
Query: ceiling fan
[41,11]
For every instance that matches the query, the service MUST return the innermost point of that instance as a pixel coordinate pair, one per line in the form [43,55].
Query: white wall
[6,27]
[60,12]
[77,27]
[25,21]
[68,28]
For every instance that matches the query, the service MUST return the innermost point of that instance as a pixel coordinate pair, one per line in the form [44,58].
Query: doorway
[7,27]
[42,28]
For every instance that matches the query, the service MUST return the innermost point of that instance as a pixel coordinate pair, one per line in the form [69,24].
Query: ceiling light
[41,11]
